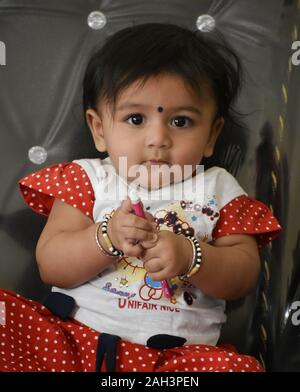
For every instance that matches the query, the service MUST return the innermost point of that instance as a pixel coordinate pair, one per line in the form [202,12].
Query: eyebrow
[130,105]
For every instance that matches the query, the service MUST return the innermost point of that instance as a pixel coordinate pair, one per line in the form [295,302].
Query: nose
[159,136]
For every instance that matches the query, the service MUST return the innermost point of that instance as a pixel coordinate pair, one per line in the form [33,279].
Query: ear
[96,127]
[214,133]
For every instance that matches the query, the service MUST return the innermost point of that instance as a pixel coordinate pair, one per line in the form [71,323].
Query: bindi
[160,109]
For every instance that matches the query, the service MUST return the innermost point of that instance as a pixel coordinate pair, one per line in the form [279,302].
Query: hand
[124,228]
[170,256]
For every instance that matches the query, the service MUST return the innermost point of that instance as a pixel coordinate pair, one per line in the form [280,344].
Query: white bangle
[196,261]
[112,249]
[99,243]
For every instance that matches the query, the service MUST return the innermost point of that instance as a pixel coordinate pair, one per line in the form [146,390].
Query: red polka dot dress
[65,181]
[32,338]
[248,216]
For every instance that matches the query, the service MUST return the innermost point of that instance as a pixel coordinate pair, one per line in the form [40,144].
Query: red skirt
[32,339]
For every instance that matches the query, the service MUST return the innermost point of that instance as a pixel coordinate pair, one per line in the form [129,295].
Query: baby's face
[161,121]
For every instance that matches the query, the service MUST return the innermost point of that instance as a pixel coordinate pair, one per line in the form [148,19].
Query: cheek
[124,157]
[118,146]
[191,154]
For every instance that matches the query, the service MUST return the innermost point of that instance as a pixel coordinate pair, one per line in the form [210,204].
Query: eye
[181,120]
[137,118]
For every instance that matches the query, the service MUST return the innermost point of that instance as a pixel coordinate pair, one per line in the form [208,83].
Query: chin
[154,185]
[153,177]
[151,186]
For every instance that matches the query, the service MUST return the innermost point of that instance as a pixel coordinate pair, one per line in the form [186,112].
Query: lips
[156,162]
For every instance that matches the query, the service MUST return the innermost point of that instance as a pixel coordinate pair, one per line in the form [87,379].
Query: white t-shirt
[123,300]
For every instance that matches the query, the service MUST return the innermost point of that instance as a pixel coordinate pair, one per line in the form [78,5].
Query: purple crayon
[137,207]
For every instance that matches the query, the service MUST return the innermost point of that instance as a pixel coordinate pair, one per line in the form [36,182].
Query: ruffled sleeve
[244,215]
[65,181]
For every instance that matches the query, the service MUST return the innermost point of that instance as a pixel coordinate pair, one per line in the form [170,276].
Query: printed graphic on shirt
[131,282]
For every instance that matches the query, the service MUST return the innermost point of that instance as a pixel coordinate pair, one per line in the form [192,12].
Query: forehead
[170,91]
[167,90]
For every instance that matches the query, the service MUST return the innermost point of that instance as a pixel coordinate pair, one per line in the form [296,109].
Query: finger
[149,216]
[132,250]
[126,206]
[131,220]
[132,241]
[153,244]
[158,276]
[153,265]
[148,254]
[140,235]
[148,244]
[147,223]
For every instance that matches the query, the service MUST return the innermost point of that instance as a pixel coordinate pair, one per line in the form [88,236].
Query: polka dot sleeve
[244,215]
[67,182]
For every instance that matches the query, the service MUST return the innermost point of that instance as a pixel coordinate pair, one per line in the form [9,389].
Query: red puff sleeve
[65,181]
[244,215]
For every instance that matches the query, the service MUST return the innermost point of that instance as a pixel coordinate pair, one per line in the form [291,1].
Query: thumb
[149,216]
[126,205]
[148,244]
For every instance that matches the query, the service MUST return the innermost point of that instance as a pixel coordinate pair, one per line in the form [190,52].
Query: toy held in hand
[139,211]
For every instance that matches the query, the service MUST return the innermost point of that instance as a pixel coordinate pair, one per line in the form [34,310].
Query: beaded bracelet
[112,249]
[196,261]
[99,243]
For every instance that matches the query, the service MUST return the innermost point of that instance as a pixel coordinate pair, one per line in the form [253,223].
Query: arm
[66,253]
[229,268]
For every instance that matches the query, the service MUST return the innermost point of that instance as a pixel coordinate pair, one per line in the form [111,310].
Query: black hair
[142,51]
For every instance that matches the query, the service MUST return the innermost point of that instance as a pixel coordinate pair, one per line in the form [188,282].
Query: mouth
[155,162]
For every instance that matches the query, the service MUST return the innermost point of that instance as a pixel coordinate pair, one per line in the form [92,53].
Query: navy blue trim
[165,341]
[107,347]
[60,304]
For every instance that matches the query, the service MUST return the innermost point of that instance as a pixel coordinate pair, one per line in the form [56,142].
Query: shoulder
[223,185]
[66,181]
[96,169]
